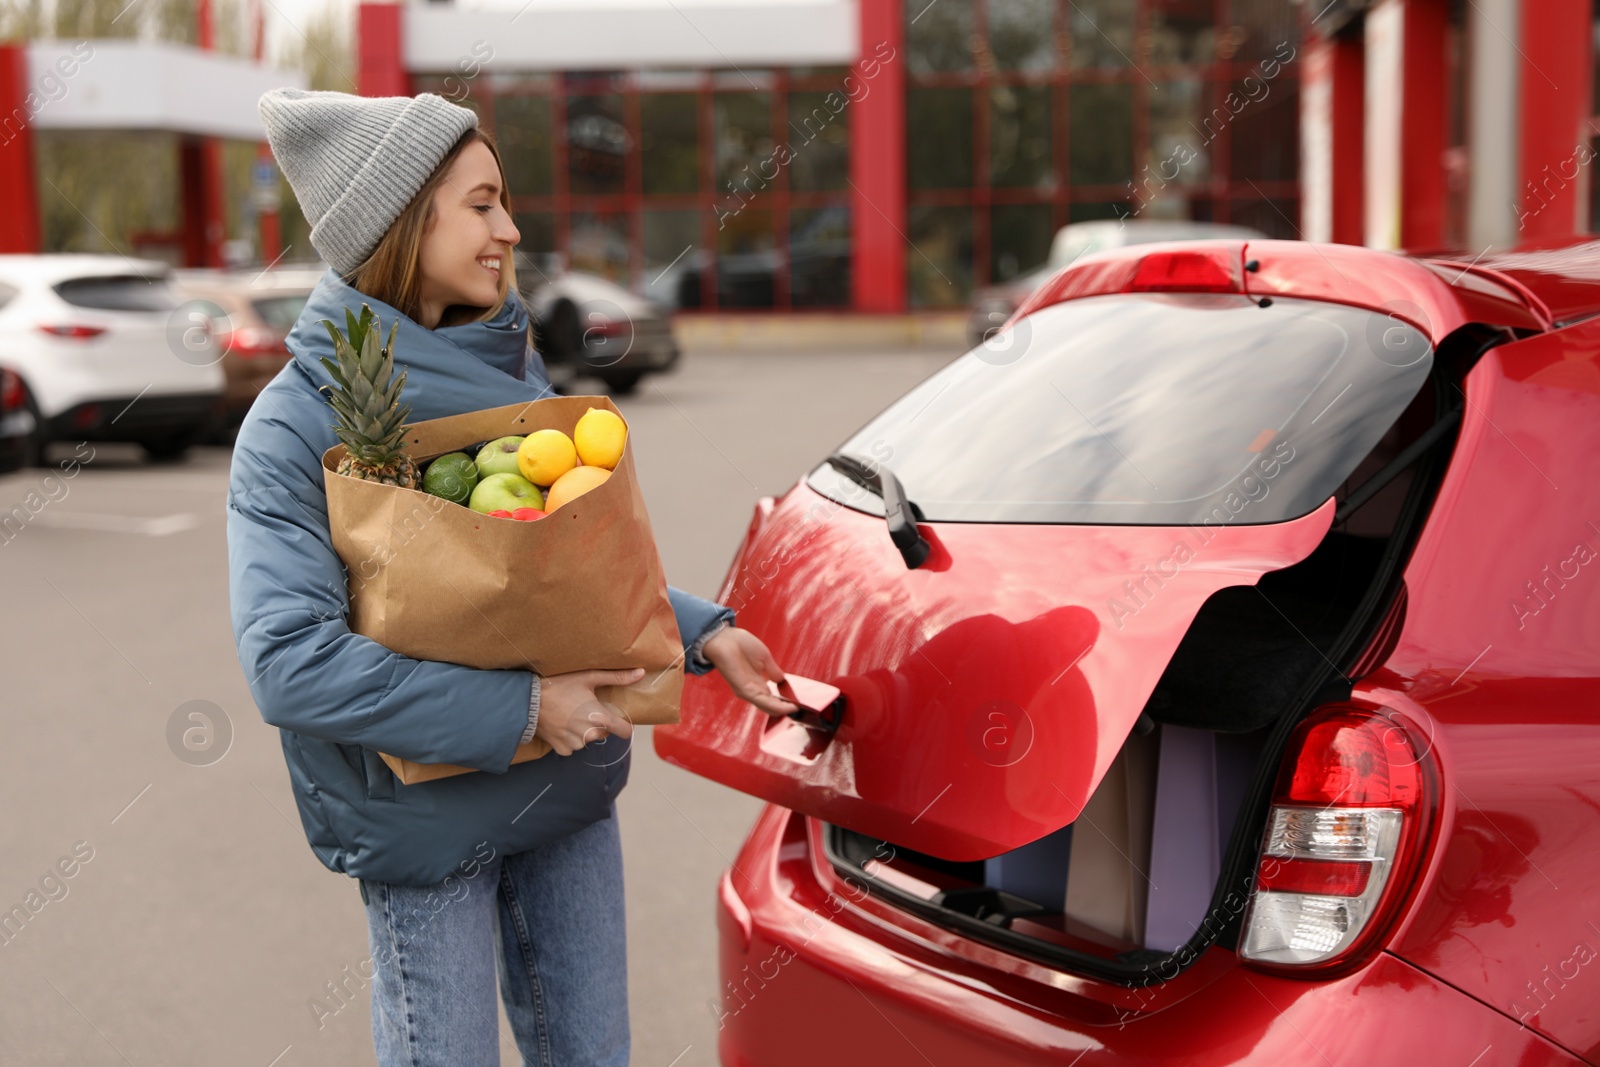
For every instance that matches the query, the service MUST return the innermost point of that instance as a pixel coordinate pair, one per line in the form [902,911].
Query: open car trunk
[1053,727]
[985,694]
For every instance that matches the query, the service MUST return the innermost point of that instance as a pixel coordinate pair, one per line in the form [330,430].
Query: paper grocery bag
[582,588]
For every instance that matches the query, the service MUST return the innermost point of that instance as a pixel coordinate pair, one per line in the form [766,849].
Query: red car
[1217,651]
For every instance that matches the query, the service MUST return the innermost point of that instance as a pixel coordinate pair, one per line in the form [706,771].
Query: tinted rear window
[1153,409]
[279,312]
[129,292]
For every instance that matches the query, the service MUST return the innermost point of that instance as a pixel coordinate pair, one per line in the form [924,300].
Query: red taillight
[599,327]
[1346,760]
[1344,837]
[11,391]
[1340,878]
[75,331]
[252,341]
[1213,271]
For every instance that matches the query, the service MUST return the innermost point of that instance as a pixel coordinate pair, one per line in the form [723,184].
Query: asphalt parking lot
[196,926]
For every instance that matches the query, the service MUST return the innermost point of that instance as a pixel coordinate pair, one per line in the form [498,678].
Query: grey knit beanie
[355,162]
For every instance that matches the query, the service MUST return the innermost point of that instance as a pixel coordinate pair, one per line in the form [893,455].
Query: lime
[451,476]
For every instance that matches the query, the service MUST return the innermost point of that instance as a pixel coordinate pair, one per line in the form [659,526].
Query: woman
[408,204]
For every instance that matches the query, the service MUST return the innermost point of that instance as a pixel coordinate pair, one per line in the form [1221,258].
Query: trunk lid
[985,694]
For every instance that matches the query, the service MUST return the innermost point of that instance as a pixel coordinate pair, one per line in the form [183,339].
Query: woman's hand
[570,716]
[747,666]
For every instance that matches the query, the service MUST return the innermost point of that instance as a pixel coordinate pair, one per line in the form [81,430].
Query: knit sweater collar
[448,370]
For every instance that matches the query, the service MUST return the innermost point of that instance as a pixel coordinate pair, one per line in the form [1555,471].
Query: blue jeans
[554,916]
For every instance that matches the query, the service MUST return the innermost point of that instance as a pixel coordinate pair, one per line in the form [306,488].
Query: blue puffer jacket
[339,698]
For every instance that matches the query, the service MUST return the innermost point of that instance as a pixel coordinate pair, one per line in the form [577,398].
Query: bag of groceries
[513,537]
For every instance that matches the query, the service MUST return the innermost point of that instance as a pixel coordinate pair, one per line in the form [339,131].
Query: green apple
[499,457]
[505,491]
[451,476]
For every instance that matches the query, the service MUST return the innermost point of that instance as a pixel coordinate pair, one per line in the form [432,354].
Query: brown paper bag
[581,588]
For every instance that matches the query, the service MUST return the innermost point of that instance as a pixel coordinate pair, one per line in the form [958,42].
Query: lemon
[573,484]
[546,455]
[599,436]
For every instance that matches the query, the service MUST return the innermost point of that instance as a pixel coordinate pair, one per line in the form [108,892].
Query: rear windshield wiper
[900,513]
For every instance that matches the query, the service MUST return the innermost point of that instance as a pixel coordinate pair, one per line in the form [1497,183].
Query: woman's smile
[469,234]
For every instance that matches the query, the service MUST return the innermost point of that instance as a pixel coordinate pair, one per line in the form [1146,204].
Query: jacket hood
[448,370]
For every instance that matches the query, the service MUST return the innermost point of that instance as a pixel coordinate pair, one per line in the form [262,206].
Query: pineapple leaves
[365,394]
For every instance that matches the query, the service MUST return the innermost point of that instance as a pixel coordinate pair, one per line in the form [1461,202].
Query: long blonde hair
[393,272]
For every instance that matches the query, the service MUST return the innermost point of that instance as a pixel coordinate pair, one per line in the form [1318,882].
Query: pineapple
[367,402]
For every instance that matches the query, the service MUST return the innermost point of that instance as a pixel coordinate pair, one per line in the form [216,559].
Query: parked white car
[105,352]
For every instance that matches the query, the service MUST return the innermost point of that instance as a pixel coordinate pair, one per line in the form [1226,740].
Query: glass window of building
[1020,137]
[598,143]
[818,137]
[1100,33]
[1020,36]
[819,257]
[939,138]
[598,244]
[938,36]
[1023,116]
[669,143]
[744,143]
[524,126]
[747,259]
[673,260]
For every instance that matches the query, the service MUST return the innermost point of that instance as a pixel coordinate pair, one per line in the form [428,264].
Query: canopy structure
[561,34]
[119,85]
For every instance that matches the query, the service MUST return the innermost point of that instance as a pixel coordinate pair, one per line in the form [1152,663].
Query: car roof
[1116,232]
[592,288]
[56,267]
[296,280]
[1425,293]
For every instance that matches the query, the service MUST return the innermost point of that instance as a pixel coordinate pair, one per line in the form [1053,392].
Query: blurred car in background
[993,306]
[251,313]
[588,326]
[816,258]
[96,349]
[16,424]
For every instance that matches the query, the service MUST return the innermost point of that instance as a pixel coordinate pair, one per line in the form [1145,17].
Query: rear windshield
[1151,409]
[129,292]
[279,312]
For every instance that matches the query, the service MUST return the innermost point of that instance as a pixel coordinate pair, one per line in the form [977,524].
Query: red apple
[527,514]
[499,514]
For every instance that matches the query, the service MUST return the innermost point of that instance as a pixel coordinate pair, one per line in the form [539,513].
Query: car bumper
[132,418]
[811,975]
